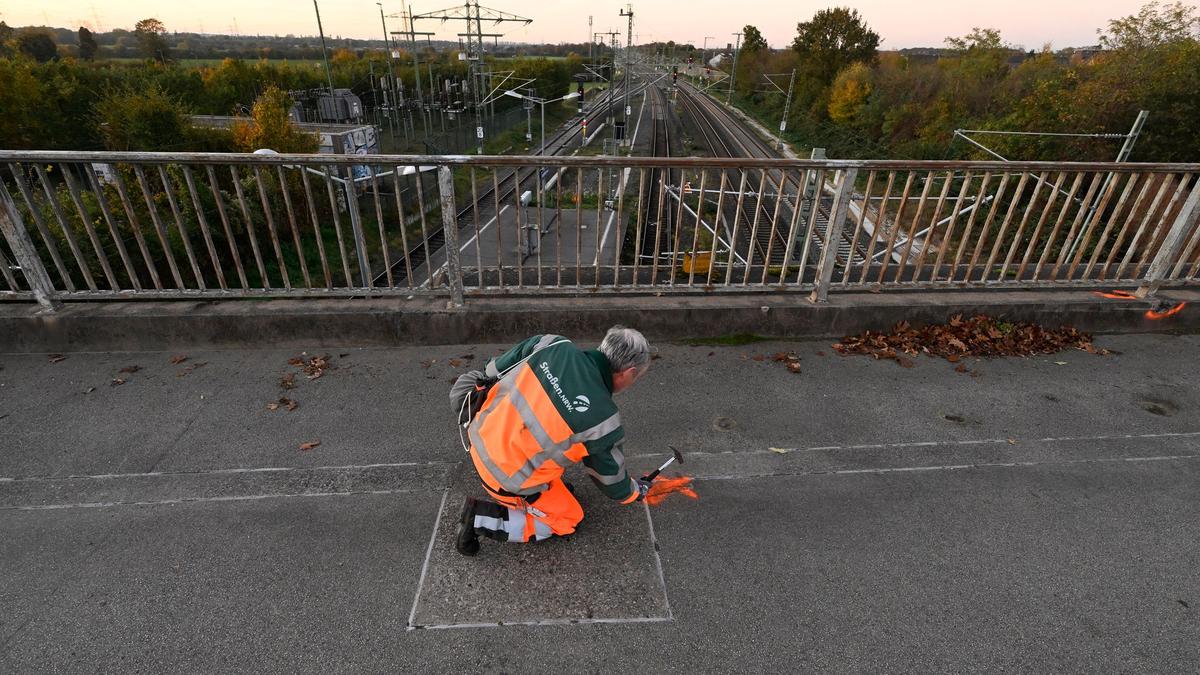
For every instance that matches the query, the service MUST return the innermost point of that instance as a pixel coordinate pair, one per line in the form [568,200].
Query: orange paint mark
[1117,295]
[1157,316]
[662,487]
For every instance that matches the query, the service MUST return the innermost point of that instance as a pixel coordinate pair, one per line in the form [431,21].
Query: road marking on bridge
[929,444]
[949,467]
[198,500]
[211,472]
[412,615]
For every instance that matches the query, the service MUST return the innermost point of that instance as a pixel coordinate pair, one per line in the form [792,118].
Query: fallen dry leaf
[178,359]
[272,406]
[794,367]
[291,405]
[189,369]
[130,369]
[55,358]
[781,451]
[309,445]
[288,381]
[455,363]
[758,357]
[116,382]
[961,368]
[979,336]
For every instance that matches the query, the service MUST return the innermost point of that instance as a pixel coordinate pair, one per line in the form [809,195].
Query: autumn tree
[751,60]
[753,40]
[832,40]
[21,98]
[270,127]
[6,33]
[152,44]
[87,44]
[37,45]
[850,91]
[143,118]
[1155,25]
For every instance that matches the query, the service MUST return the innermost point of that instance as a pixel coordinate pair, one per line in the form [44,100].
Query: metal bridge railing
[104,226]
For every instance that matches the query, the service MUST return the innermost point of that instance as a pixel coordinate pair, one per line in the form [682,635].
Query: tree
[1153,26]
[850,92]
[151,43]
[982,39]
[141,118]
[6,33]
[87,44]
[21,99]
[343,57]
[270,126]
[752,40]
[38,45]
[832,40]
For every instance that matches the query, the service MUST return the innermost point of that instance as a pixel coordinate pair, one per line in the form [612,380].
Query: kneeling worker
[550,405]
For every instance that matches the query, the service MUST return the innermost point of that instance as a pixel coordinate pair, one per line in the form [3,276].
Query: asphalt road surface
[1038,516]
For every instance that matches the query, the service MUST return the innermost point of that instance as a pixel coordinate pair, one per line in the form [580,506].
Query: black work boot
[466,541]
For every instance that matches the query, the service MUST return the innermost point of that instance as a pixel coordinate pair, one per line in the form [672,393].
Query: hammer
[675,455]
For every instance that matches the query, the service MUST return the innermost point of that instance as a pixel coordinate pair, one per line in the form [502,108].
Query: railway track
[728,137]
[658,213]
[487,202]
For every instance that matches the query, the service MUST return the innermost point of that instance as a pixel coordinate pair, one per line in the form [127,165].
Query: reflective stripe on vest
[519,431]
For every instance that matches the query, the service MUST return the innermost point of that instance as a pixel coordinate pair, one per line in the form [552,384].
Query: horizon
[567,22]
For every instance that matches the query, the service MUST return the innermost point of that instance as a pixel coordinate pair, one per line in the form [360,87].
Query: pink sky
[1029,23]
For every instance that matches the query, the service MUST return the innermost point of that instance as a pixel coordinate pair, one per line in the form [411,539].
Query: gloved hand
[643,487]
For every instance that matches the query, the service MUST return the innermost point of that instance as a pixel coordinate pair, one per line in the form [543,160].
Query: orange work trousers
[554,512]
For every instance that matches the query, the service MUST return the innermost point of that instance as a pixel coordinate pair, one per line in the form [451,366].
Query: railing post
[26,254]
[1173,244]
[833,234]
[356,228]
[450,228]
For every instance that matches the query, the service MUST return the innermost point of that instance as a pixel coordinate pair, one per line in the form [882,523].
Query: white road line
[929,444]
[208,472]
[948,467]
[194,500]
[437,521]
[545,622]
[662,579]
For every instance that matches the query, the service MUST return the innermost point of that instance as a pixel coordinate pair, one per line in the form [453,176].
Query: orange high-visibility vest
[520,441]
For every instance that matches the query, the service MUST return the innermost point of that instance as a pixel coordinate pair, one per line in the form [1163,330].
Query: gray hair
[625,348]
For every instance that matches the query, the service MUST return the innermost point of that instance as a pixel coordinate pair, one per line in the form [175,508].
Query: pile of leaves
[313,366]
[981,336]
